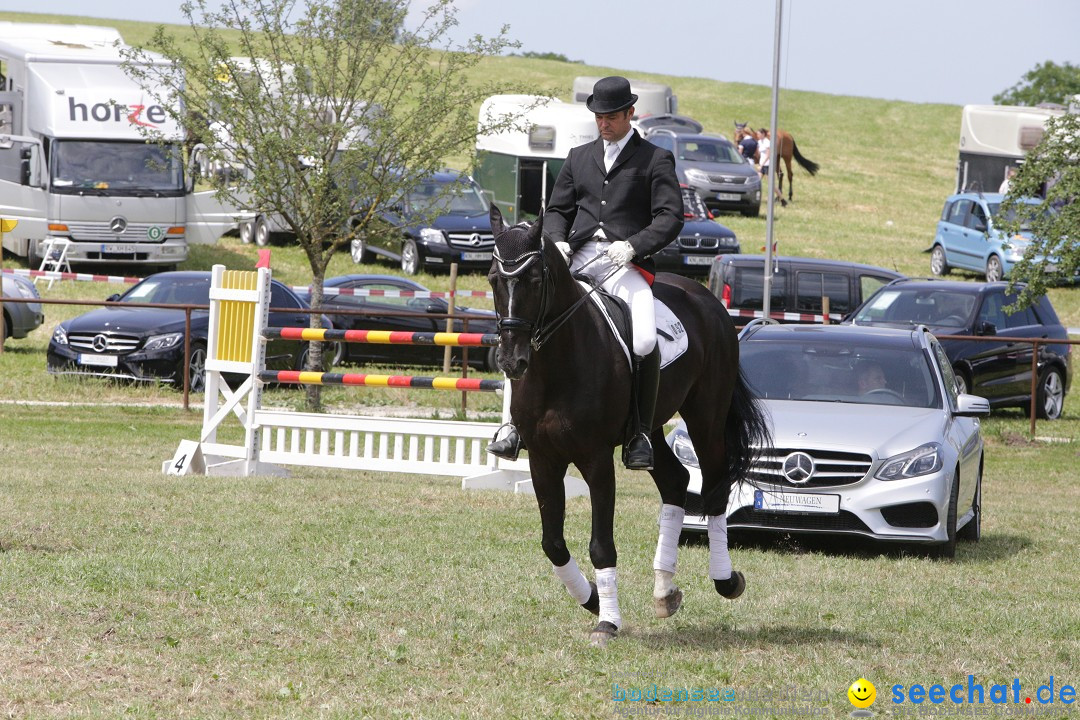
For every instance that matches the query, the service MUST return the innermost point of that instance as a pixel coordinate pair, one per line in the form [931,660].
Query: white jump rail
[239,308]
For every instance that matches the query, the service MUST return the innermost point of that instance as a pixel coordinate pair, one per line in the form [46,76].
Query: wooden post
[825,309]
[450,310]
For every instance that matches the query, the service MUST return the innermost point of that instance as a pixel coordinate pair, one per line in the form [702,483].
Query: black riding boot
[638,452]
[509,447]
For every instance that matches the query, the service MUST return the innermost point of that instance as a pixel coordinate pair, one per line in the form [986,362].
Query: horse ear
[536,230]
[498,225]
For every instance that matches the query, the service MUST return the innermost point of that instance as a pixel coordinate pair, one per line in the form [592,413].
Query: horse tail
[808,165]
[746,436]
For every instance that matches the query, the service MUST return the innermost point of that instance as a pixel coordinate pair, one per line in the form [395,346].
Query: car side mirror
[986,328]
[113,298]
[435,306]
[971,406]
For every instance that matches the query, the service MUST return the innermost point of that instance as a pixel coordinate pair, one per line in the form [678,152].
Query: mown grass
[344,595]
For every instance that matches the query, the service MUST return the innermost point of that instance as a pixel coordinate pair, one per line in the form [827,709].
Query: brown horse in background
[785,149]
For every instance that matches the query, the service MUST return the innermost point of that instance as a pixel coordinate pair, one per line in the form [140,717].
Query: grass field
[126,593]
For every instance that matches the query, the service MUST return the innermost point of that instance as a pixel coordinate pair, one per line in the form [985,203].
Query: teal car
[967,238]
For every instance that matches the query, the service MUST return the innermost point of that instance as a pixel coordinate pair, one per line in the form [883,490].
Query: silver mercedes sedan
[869,437]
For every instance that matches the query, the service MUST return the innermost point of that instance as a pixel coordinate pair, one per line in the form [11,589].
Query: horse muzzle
[513,359]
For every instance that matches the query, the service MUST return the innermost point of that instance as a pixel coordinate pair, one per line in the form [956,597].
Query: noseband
[510,269]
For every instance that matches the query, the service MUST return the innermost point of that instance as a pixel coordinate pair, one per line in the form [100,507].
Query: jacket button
[601,224]
[605,182]
[603,202]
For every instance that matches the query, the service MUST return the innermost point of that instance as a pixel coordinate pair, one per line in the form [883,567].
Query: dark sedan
[996,369]
[147,344]
[699,242]
[395,306]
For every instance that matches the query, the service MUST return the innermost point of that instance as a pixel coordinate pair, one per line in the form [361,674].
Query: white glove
[564,248]
[620,252]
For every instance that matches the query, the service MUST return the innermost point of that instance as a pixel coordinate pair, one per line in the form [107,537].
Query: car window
[947,374]
[977,217]
[281,298]
[992,312]
[869,284]
[663,141]
[171,290]
[812,286]
[959,212]
[1044,311]
[716,151]
[749,290]
[1023,317]
[839,369]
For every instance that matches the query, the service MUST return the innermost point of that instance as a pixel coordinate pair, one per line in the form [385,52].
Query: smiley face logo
[862,693]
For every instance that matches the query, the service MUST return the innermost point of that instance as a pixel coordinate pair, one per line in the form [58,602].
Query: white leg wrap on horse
[719,560]
[576,583]
[609,596]
[667,545]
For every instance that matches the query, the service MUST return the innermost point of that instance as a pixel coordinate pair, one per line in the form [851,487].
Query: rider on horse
[616,202]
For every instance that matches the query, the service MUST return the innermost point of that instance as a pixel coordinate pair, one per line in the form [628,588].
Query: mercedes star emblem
[118,224]
[798,468]
[474,239]
[100,343]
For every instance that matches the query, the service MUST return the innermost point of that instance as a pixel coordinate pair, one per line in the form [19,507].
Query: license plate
[796,502]
[698,260]
[118,248]
[98,360]
[475,256]
[728,196]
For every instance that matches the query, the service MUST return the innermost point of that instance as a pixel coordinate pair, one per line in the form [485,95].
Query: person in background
[1009,175]
[765,155]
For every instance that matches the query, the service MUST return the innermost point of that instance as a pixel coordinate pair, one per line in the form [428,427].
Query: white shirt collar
[621,143]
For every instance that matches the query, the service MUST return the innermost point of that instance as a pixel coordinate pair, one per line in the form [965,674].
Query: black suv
[798,286]
[998,370]
[443,220]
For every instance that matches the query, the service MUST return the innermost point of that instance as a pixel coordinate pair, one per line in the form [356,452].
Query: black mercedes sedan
[147,344]
[390,302]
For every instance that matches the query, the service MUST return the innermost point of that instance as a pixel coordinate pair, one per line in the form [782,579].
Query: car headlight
[431,235]
[59,335]
[698,176]
[922,460]
[163,342]
[684,449]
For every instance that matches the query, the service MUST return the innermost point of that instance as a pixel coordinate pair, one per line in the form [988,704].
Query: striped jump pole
[384,337]
[301,377]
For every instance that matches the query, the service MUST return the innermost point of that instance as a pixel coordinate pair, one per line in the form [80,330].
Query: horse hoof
[667,606]
[602,634]
[732,587]
[593,603]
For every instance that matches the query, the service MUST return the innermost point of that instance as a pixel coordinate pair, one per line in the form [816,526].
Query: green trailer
[517,167]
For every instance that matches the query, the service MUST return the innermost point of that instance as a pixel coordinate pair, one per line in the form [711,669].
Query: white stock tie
[610,154]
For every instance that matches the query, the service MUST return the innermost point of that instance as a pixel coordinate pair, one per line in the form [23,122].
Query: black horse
[570,400]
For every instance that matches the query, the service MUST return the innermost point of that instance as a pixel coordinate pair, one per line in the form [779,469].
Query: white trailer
[653,98]
[518,166]
[76,164]
[994,138]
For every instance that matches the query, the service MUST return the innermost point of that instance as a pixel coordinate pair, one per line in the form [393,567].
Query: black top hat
[610,94]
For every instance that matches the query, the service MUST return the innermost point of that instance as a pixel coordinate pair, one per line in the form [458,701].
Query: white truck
[994,138]
[75,167]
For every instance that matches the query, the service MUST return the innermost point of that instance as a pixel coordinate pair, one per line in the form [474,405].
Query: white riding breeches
[625,283]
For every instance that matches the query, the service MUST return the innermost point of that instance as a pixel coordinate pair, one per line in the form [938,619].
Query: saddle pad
[670,334]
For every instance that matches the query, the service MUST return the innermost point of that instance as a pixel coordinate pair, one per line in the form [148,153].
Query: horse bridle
[541,332]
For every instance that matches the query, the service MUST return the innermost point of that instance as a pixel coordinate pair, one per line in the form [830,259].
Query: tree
[1046,83]
[326,109]
[1050,174]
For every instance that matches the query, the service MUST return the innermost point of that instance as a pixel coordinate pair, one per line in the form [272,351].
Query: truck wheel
[247,232]
[262,232]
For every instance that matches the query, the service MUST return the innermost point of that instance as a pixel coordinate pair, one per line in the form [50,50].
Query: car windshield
[995,212]
[714,151]
[171,291]
[116,168]
[446,198]
[839,370]
[937,308]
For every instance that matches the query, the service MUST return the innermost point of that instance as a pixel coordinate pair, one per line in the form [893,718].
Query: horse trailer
[653,98]
[518,163]
[994,138]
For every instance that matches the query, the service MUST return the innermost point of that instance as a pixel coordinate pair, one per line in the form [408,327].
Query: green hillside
[886,166]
